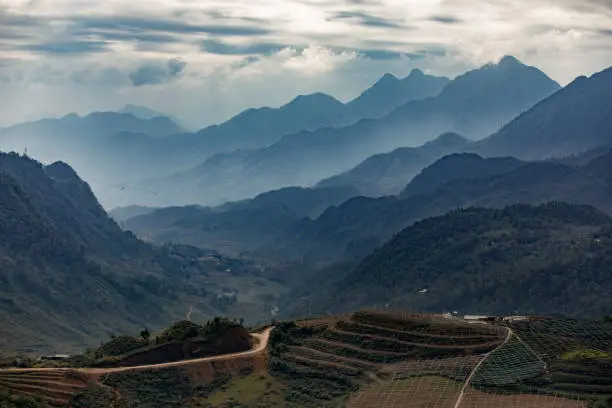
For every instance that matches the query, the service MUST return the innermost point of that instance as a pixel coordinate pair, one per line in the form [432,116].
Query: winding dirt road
[260,344]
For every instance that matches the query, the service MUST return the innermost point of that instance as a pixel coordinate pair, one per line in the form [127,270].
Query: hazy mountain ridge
[365,223]
[458,166]
[289,162]
[388,173]
[389,92]
[121,214]
[237,226]
[143,112]
[573,120]
[351,229]
[552,138]
[132,139]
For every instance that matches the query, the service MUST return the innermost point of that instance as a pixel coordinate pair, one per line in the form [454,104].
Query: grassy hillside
[554,258]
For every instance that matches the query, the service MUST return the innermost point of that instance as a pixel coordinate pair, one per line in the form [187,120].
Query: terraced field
[369,359]
[368,355]
[55,387]
[416,361]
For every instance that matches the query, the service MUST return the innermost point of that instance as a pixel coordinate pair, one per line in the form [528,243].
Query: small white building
[515,318]
[474,317]
[56,357]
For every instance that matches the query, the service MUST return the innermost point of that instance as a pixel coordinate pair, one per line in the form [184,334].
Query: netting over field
[532,363]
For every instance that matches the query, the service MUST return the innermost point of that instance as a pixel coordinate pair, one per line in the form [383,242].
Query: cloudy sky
[205,60]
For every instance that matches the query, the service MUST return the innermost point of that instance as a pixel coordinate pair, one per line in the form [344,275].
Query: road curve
[261,343]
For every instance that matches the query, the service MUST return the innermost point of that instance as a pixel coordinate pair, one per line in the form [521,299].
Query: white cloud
[77,55]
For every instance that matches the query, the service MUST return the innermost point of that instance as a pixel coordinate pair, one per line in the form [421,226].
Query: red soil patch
[477,399]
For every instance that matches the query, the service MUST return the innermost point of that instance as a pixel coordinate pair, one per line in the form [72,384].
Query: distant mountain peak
[317,97]
[509,60]
[387,79]
[416,73]
[447,138]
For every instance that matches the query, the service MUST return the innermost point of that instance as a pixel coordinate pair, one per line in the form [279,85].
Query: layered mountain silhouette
[474,104]
[121,214]
[130,138]
[360,224]
[388,173]
[351,229]
[238,226]
[520,259]
[261,127]
[561,126]
[143,112]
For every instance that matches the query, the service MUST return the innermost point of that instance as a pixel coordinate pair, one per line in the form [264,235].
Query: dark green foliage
[309,385]
[8,400]
[118,346]
[163,388]
[94,396]
[182,340]
[180,331]
[555,258]
[145,335]
[603,403]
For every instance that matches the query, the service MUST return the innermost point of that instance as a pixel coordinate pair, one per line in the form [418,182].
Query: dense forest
[555,258]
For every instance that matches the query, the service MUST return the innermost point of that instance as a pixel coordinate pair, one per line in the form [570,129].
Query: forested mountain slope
[555,258]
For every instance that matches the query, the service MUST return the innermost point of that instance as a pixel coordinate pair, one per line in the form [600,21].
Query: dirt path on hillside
[480,363]
[189,313]
[260,340]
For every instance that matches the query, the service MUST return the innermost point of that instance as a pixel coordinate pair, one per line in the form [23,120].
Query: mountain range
[388,173]
[131,137]
[351,229]
[356,226]
[361,224]
[474,104]
[236,227]
[552,129]
[143,112]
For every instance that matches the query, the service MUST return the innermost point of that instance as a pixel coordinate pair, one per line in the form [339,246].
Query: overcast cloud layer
[206,60]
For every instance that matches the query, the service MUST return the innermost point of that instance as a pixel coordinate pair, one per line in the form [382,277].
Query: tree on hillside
[145,334]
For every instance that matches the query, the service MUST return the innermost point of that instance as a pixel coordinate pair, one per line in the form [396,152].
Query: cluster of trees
[555,258]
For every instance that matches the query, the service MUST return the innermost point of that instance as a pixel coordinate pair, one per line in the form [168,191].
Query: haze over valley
[306,204]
